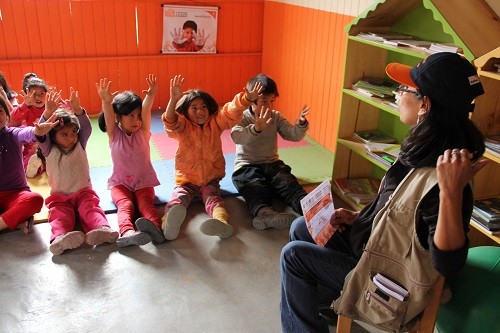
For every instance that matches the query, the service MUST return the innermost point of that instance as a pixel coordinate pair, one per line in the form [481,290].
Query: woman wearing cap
[435,98]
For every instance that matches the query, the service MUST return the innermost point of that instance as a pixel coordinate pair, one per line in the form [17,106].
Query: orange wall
[303,50]
[74,43]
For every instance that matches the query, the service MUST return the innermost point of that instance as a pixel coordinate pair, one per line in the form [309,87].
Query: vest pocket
[379,308]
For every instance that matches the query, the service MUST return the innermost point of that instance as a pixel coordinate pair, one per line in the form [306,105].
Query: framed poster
[189,29]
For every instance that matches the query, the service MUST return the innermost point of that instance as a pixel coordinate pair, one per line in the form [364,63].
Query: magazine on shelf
[480,226]
[490,225]
[383,158]
[488,207]
[376,84]
[380,147]
[380,37]
[372,93]
[360,190]
[373,136]
[318,210]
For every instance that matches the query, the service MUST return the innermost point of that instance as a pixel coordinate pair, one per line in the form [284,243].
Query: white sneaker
[173,220]
[34,164]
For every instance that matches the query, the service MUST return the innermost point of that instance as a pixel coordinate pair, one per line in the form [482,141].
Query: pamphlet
[318,210]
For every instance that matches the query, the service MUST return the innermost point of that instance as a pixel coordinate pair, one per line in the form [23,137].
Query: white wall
[346,7]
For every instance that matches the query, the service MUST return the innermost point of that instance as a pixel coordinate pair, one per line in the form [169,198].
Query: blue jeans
[311,275]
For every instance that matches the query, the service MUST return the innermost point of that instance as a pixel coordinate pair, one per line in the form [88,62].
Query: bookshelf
[434,20]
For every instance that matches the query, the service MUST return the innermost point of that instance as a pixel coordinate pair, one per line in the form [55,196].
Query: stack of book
[385,153]
[492,143]
[373,136]
[375,87]
[357,192]
[486,214]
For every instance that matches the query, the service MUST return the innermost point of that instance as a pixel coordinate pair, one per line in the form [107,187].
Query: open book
[318,210]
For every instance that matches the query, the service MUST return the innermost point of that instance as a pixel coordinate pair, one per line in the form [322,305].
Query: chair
[424,325]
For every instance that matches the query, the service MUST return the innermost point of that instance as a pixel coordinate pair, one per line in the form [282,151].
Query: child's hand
[176,88]
[302,116]
[200,39]
[103,90]
[252,96]
[3,94]
[152,85]
[177,36]
[44,128]
[74,101]
[262,118]
[28,97]
[52,100]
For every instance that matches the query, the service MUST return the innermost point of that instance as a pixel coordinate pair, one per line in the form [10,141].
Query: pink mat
[166,146]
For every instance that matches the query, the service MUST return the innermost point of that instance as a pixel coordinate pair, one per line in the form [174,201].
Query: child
[259,173]
[17,203]
[127,121]
[189,41]
[71,193]
[194,120]
[25,115]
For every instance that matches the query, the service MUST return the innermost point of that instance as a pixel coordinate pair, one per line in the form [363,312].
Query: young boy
[259,174]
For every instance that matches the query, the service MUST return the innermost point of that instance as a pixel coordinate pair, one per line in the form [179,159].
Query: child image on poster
[188,39]
[189,29]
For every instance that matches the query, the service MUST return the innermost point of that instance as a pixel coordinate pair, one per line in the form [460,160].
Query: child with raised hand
[71,193]
[26,114]
[194,119]
[17,203]
[127,121]
[259,173]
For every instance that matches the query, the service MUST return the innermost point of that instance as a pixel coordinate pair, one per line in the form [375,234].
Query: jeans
[311,275]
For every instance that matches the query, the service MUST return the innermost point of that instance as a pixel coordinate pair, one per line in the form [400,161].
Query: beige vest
[394,251]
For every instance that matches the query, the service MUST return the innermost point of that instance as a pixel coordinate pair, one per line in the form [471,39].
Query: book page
[318,210]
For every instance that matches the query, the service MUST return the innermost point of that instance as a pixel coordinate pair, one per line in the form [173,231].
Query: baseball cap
[446,78]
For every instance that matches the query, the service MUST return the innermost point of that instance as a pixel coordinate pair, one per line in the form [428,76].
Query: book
[373,136]
[383,158]
[389,287]
[377,85]
[380,37]
[491,226]
[379,147]
[492,143]
[488,207]
[372,93]
[360,190]
[480,226]
[444,47]
[318,210]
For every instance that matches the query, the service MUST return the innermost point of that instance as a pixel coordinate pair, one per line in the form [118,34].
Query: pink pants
[18,206]
[29,149]
[64,208]
[210,195]
[126,202]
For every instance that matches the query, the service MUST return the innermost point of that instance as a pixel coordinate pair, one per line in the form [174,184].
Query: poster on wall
[189,29]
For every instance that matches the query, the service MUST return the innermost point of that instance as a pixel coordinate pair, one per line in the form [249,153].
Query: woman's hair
[183,105]
[3,104]
[123,104]
[65,118]
[26,78]
[6,87]
[440,129]
[36,82]
[268,84]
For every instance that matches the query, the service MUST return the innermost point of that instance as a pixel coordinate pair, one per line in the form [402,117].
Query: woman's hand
[342,218]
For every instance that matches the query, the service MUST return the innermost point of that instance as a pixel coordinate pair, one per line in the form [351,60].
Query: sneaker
[133,238]
[34,164]
[214,227]
[173,220]
[67,241]
[269,218]
[148,227]
[101,235]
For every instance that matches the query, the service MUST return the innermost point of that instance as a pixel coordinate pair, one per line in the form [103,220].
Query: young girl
[194,119]
[17,203]
[127,121]
[68,174]
[25,115]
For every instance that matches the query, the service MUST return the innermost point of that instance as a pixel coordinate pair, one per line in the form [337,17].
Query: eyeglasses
[404,88]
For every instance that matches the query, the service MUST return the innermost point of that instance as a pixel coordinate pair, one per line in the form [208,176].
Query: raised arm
[175,95]
[147,103]
[107,98]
